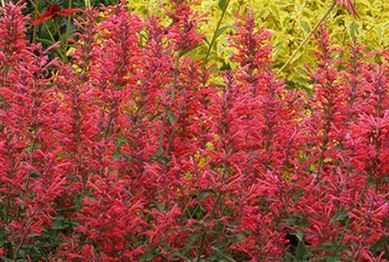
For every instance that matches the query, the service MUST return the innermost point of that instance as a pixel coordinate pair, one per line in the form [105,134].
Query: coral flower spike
[54,10]
[350,7]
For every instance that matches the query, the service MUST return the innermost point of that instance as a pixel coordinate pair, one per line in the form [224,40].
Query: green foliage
[45,243]
[289,22]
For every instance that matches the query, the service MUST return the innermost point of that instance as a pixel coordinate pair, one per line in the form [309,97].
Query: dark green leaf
[171,116]
[221,30]
[45,41]
[191,240]
[302,252]
[149,256]
[222,4]
[180,255]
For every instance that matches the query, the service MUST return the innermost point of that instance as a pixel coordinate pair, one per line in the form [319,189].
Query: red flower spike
[52,11]
[350,7]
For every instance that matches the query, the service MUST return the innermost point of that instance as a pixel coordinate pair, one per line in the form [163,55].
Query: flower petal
[70,11]
[42,18]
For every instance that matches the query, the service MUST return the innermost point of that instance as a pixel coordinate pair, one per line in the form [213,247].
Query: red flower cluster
[53,11]
[130,153]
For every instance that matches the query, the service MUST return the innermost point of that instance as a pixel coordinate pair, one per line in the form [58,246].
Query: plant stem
[35,17]
[314,29]
[87,4]
[2,3]
[68,23]
[47,30]
[215,34]
[172,96]
[60,38]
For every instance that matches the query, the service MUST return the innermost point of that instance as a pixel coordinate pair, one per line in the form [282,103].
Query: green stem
[147,7]
[35,28]
[87,4]
[204,235]
[2,3]
[53,39]
[47,30]
[61,40]
[68,23]
[215,34]
[314,29]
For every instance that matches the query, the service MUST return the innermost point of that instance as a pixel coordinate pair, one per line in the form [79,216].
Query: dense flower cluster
[129,153]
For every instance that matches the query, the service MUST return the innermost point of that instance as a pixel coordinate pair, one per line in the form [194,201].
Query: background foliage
[289,22]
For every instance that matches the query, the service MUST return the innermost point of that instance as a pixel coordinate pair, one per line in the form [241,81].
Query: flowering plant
[129,152]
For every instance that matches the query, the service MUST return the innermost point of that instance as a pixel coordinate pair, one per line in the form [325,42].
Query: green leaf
[149,256]
[171,116]
[59,223]
[159,206]
[305,25]
[120,141]
[222,5]
[302,252]
[339,216]
[354,29]
[220,254]
[380,245]
[221,30]
[45,41]
[206,41]
[191,240]
[182,256]
[333,259]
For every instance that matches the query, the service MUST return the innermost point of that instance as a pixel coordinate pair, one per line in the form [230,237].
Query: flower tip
[40,20]
[350,7]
